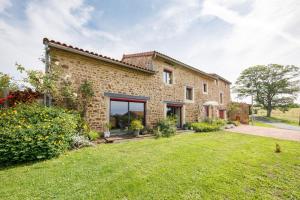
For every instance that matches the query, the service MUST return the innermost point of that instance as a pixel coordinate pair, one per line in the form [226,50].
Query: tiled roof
[220,77]
[148,53]
[64,46]
[155,53]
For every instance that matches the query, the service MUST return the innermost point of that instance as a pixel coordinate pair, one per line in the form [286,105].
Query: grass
[286,121]
[289,117]
[218,165]
[261,124]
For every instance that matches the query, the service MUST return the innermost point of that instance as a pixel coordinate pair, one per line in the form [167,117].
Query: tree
[44,83]
[272,86]
[6,82]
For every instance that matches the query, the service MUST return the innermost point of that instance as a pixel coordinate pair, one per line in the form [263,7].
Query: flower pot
[106,134]
[136,132]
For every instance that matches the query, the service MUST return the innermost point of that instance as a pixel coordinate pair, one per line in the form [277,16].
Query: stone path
[267,132]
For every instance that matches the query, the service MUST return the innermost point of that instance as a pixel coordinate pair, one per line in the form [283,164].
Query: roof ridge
[146,53]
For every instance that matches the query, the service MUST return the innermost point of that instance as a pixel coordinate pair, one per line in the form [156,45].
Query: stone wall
[112,78]
[239,112]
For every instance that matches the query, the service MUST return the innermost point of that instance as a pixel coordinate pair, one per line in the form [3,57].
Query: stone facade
[240,112]
[110,77]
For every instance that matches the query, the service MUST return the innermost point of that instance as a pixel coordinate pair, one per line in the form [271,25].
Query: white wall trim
[193,94]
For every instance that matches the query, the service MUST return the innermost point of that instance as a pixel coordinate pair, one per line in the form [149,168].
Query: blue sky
[217,36]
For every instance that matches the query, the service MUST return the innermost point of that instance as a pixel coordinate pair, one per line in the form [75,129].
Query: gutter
[46,58]
[47,96]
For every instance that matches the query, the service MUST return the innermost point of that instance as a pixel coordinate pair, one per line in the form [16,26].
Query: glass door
[122,112]
[175,111]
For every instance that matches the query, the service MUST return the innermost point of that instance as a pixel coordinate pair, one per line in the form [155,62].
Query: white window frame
[171,77]
[217,82]
[193,94]
[221,103]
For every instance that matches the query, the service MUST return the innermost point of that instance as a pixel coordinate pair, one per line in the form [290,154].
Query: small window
[189,93]
[221,98]
[167,77]
[205,88]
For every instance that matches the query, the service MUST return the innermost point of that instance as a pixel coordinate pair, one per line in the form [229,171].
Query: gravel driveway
[267,132]
[277,124]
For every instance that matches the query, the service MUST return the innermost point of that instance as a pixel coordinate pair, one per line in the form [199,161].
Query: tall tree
[272,86]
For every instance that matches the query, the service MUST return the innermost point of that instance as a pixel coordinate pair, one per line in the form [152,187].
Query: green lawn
[282,120]
[218,165]
[289,117]
[261,124]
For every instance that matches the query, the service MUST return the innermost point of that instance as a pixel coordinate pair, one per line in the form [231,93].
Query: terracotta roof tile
[156,53]
[47,41]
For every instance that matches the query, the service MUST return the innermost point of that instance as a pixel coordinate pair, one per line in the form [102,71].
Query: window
[205,88]
[221,98]
[216,82]
[189,93]
[123,112]
[167,75]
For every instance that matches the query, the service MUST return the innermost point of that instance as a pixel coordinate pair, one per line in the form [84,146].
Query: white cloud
[215,35]
[60,20]
[4,4]
[262,36]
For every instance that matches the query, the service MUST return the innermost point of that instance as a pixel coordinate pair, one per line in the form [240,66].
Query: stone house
[148,86]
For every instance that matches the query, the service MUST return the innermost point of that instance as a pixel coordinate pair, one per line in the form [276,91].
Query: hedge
[207,127]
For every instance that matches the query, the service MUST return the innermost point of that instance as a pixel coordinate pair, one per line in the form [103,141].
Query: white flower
[67,77]
[75,94]
[56,63]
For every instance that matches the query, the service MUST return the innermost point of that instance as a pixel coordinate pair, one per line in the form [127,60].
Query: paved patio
[267,132]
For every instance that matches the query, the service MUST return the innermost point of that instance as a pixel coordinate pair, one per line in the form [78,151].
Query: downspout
[46,71]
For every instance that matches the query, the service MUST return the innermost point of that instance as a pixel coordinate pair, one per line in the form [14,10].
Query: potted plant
[136,126]
[107,128]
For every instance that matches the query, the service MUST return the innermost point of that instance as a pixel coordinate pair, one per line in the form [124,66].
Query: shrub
[205,127]
[148,130]
[167,127]
[34,132]
[157,132]
[26,96]
[220,122]
[136,125]
[93,135]
[187,125]
[236,123]
[79,141]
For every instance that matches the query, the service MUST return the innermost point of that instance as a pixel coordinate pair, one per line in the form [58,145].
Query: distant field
[292,114]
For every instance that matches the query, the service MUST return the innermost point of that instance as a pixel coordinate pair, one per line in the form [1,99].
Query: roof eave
[50,44]
[157,54]
[220,77]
